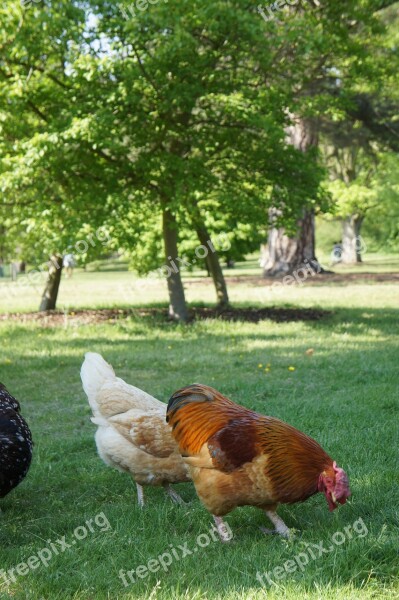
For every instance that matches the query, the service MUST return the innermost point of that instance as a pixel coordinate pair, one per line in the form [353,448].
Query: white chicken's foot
[173,494]
[223,530]
[281,527]
[140,495]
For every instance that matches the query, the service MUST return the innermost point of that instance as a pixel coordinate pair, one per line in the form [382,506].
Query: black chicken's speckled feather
[15,443]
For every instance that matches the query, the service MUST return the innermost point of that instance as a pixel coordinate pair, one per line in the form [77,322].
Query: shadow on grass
[353,321]
[158,314]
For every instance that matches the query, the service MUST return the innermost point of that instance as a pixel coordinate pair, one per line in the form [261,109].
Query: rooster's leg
[173,494]
[279,524]
[223,531]
[140,495]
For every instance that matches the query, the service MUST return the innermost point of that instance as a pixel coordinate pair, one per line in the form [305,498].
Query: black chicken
[15,443]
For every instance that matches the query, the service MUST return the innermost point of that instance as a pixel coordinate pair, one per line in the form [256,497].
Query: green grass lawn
[345,395]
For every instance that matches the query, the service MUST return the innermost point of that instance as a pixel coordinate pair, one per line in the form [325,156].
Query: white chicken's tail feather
[109,395]
[94,373]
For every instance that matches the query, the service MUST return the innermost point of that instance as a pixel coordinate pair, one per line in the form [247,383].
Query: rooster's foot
[281,527]
[267,531]
[223,530]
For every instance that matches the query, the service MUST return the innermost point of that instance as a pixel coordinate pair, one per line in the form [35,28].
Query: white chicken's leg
[223,531]
[279,524]
[173,494]
[140,495]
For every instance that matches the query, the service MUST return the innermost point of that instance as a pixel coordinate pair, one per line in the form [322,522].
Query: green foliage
[359,142]
[383,222]
[106,120]
[353,198]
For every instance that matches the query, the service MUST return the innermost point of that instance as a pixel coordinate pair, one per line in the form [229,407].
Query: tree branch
[143,70]
[42,70]
[37,111]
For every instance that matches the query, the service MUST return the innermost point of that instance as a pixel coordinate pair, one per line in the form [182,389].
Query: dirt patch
[326,278]
[83,317]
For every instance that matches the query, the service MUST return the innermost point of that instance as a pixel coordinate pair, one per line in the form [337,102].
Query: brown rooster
[238,457]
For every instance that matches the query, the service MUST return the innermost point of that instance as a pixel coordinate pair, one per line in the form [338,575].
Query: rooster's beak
[331,500]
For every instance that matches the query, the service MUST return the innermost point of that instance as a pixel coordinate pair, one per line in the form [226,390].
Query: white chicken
[132,434]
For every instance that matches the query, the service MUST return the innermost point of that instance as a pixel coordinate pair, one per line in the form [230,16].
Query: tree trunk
[213,263]
[177,301]
[14,271]
[283,254]
[50,294]
[351,240]
[278,255]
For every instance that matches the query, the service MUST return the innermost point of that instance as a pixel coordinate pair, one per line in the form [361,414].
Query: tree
[285,254]
[214,267]
[358,150]
[49,298]
[370,192]
[382,223]
[341,59]
[177,307]
[127,118]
